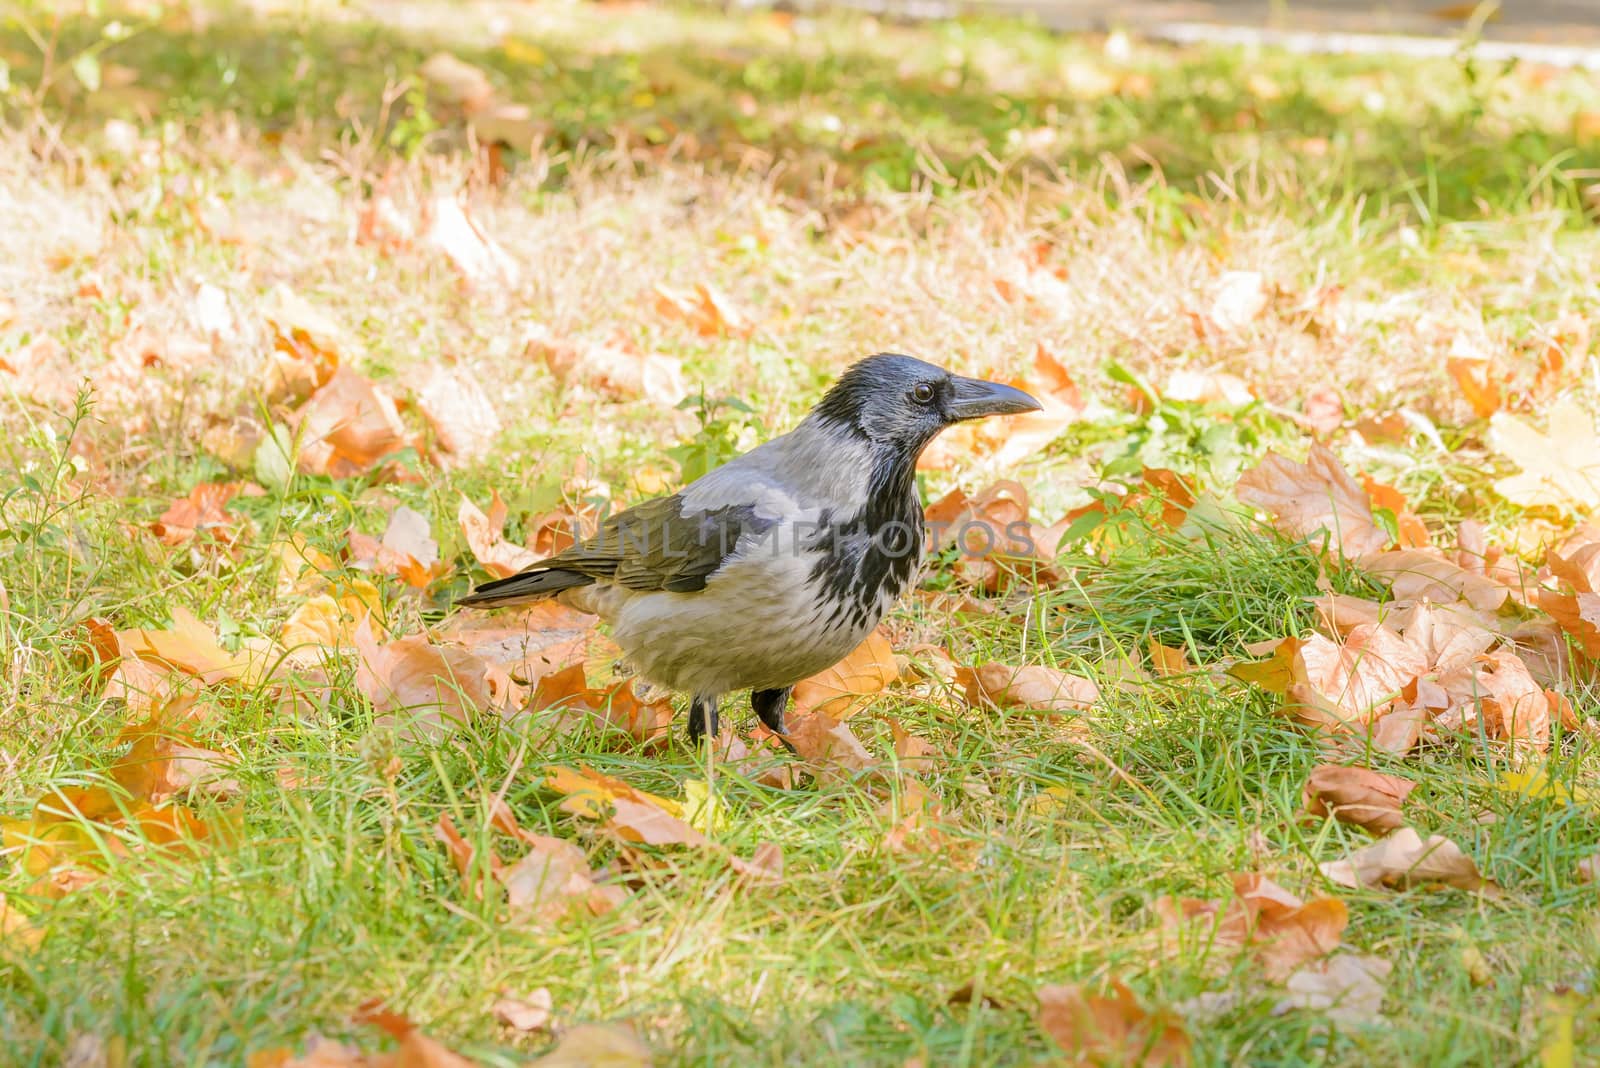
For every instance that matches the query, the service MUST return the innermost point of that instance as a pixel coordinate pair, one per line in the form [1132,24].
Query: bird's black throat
[874,551]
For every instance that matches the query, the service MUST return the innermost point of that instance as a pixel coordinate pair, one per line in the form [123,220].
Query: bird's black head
[903,402]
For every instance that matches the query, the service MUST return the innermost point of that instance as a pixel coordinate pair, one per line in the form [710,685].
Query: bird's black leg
[702,718]
[769,706]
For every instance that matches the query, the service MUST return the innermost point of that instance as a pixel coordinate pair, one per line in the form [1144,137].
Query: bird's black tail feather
[523,588]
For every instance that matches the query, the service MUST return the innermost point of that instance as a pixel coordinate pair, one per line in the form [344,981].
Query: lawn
[314,315]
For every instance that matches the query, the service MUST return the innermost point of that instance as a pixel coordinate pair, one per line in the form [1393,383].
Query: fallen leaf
[528,1013]
[825,743]
[477,256]
[462,417]
[707,309]
[347,426]
[840,691]
[499,557]
[1368,799]
[1317,497]
[191,647]
[1411,530]
[1478,377]
[407,550]
[1560,468]
[306,346]
[1347,988]
[1283,930]
[1111,1029]
[425,688]
[1425,574]
[1032,686]
[1404,860]
[329,620]
[202,513]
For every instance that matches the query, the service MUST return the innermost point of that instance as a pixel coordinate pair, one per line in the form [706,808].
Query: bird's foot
[769,706]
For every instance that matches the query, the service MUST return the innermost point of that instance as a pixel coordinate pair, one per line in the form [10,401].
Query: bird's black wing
[652,546]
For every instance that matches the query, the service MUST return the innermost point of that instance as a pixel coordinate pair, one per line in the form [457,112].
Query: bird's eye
[923,393]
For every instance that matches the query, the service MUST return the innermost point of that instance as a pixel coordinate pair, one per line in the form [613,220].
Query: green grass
[870,194]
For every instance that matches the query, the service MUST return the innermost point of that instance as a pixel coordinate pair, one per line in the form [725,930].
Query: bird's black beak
[977,399]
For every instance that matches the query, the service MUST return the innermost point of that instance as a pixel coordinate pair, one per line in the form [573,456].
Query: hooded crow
[777,564]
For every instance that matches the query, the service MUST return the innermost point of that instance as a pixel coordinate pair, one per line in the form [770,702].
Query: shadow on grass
[1440,151]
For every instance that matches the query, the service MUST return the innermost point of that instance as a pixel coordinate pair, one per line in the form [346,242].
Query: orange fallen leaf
[1032,686]
[1403,860]
[202,513]
[192,647]
[480,260]
[463,418]
[1281,929]
[425,688]
[1111,1029]
[347,426]
[1315,498]
[1360,796]
[707,309]
[406,550]
[499,557]
[1478,378]
[842,690]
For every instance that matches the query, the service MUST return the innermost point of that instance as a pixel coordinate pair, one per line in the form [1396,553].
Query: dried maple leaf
[463,418]
[553,878]
[192,648]
[1404,859]
[499,557]
[477,256]
[1426,574]
[1283,931]
[1339,685]
[1347,988]
[1515,707]
[1478,377]
[1111,1029]
[423,687]
[406,550]
[1317,497]
[828,745]
[329,620]
[162,762]
[347,426]
[1560,469]
[1412,532]
[707,309]
[1360,796]
[202,513]
[1032,686]
[840,691]
[306,346]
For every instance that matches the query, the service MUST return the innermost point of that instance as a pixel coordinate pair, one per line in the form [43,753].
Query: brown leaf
[913,755]
[1515,707]
[826,743]
[1340,686]
[1588,870]
[407,550]
[1111,1029]
[203,513]
[499,557]
[842,690]
[1032,686]
[1403,860]
[1346,987]
[415,1050]
[459,411]
[1424,574]
[1168,661]
[707,309]
[551,880]
[1317,497]
[347,426]
[482,263]
[306,346]
[1284,931]
[529,1013]
[192,647]
[425,688]
[1478,378]
[1360,796]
